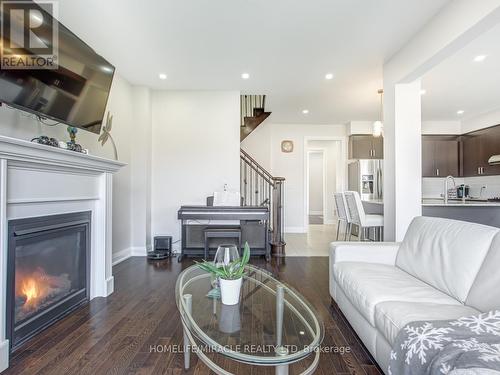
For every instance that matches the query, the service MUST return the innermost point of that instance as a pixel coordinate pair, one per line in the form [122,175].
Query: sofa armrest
[368,252]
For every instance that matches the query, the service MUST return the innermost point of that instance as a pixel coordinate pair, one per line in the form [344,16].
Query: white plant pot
[230,291]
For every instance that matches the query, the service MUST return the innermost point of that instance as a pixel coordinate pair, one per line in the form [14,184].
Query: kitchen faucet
[446,187]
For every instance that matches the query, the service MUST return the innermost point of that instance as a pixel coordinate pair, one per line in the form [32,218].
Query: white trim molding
[4,355]
[121,255]
[129,252]
[138,251]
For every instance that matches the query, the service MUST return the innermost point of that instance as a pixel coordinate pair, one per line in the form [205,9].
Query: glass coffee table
[272,325]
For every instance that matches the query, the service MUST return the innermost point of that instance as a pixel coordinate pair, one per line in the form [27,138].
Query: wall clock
[287,146]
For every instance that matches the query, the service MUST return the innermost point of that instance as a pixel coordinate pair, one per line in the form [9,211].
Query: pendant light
[378,126]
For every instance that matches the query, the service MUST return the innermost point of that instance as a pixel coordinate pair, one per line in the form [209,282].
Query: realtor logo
[29,35]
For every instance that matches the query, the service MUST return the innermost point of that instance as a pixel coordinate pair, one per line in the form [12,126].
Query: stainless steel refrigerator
[365,177]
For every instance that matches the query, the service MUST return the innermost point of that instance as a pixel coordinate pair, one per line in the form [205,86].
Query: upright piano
[252,220]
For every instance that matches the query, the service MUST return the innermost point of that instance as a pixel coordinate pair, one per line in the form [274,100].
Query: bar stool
[360,218]
[343,214]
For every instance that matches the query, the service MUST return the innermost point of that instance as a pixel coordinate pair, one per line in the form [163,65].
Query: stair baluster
[260,188]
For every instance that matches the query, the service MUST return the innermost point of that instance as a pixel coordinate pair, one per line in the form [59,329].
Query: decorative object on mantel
[53,142]
[72,133]
[72,145]
[287,146]
[44,140]
[106,133]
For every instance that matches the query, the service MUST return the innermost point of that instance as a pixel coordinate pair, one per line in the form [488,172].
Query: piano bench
[221,233]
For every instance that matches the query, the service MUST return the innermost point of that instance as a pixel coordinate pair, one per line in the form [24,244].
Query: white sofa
[443,269]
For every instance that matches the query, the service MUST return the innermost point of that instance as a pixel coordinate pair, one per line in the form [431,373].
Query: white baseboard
[4,355]
[315,212]
[295,230]
[124,254]
[110,285]
[121,255]
[138,251]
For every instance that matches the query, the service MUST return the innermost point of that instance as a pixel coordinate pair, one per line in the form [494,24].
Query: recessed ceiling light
[162,76]
[423,92]
[245,76]
[480,58]
[305,111]
[460,112]
[329,76]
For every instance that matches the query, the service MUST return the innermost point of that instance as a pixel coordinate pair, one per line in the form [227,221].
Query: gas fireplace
[47,272]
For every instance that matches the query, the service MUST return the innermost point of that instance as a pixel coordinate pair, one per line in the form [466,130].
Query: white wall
[195,151]
[18,124]
[360,127]
[316,182]
[481,121]
[442,127]
[141,172]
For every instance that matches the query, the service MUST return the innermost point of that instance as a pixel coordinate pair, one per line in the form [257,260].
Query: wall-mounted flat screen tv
[75,93]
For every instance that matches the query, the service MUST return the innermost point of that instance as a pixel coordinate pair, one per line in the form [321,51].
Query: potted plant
[230,276]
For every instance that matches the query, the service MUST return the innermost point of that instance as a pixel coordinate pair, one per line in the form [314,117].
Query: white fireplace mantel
[39,180]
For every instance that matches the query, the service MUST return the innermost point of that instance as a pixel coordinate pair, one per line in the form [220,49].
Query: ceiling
[460,83]
[287,47]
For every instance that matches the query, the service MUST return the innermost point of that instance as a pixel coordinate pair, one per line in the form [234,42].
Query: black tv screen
[75,93]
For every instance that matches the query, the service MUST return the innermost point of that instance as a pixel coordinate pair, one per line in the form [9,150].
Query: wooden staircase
[253,113]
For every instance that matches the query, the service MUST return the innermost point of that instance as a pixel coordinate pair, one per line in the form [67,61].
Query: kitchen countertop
[439,202]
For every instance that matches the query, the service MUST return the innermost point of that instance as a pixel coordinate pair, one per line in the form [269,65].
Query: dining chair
[359,218]
[342,214]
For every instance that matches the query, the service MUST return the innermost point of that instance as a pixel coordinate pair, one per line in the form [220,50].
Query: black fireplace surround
[47,272]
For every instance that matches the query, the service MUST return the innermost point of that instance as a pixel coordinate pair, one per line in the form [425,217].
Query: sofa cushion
[446,254]
[485,292]
[368,284]
[390,317]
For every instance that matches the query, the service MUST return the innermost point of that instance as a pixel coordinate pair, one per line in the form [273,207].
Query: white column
[108,235]
[403,158]
[101,272]
[405,170]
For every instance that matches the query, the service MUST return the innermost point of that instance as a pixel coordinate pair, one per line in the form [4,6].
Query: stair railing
[260,188]
[248,104]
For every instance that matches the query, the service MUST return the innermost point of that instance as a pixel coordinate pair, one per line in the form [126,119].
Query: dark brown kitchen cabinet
[366,147]
[378,147]
[477,148]
[440,156]
[471,151]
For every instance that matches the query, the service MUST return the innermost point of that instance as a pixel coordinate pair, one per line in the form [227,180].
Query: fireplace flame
[36,287]
[30,290]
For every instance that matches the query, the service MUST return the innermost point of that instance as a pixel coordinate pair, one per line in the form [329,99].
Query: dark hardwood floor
[115,335]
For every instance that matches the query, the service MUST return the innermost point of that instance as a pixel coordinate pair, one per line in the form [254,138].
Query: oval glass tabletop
[272,323]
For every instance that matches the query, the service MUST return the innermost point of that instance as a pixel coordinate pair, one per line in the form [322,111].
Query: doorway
[333,153]
[316,186]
